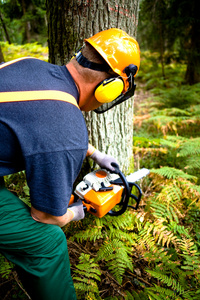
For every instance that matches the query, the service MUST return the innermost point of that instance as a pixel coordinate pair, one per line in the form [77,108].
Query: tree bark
[4,28]
[69,22]
[27,23]
[192,75]
[1,55]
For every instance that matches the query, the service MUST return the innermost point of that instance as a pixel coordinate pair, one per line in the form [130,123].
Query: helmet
[118,49]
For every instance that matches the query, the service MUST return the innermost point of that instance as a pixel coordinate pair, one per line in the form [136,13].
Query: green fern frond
[92,233]
[117,257]
[122,235]
[172,193]
[5,267]
[191,295]
[193,162]
[178,229]
[190,253]
[162,292]
[168,280]
[174,111]
[85,283]
[166,211]
[157,233]
[172,173]
[153,296]
[131,296]
[126,220]
[152,252]
[136,296]
[191,147]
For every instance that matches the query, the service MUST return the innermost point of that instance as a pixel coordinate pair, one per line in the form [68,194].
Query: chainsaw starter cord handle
[126,192]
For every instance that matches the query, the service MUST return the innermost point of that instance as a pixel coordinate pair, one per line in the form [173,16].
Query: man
[42,131]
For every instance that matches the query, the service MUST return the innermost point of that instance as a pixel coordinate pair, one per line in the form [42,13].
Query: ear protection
[109,89]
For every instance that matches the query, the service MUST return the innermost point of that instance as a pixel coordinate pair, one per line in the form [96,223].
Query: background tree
[23,21]
[69,22]
[172,25]
[1,55]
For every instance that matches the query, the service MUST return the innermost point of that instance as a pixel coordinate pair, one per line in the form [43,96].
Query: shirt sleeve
[50,177]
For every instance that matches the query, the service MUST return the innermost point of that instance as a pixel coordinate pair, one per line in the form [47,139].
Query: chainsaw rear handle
[126,192]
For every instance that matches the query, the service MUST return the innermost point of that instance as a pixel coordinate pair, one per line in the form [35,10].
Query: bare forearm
[90,150]
[46,218]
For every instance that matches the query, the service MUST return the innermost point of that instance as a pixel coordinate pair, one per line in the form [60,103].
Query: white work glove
[77,211]
[103,160]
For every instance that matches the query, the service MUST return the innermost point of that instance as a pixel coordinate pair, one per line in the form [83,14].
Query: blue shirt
[46,138]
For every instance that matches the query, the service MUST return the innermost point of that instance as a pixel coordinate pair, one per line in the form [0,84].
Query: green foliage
[152,253]
[24,21]
[12,51]
[87,274]
[5,267]
[164,27]
[173,173]
[117,257]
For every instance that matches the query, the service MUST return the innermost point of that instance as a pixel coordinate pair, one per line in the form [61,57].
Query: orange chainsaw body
[101,190]
[98,203]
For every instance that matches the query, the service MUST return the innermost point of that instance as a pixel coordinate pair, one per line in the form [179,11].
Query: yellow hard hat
[118,49]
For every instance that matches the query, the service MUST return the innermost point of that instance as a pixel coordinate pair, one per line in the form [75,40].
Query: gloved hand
[103,160]
[77,210]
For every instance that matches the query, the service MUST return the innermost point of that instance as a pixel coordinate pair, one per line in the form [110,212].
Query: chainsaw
[101,191]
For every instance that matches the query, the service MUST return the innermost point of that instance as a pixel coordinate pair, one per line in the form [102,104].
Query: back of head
[118,49]
[114,56]
[92,56]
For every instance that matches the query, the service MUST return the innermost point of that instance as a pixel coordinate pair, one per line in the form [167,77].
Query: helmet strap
[84,62]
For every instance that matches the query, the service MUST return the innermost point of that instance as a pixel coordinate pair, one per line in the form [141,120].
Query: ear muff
[109,89]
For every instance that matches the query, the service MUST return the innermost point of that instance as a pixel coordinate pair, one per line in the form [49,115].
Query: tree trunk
[1,55]
[5,28]
[69,22]
[27,37]
[193,64]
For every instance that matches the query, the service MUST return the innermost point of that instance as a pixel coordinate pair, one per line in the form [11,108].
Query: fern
[91,233]
[136,296]
[191,147]
[101,227]
[177,229]
[5,267]
[173,173]
[86,282]
[190,253]
[194,109]
[167,280]
[163,293]
[193,163]
[117,257]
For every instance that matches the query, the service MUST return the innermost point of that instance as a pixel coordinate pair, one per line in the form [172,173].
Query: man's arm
[75,212]
[43,217]
[90,150]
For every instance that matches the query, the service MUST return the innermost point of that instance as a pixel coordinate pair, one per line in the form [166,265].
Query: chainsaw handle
[126,192]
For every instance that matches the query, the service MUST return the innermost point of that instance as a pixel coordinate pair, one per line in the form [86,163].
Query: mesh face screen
[123,97]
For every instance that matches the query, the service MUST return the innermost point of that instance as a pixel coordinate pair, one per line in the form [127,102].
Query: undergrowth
[152,253]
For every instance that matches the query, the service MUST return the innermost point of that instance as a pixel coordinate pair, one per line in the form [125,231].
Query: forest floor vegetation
[152,253]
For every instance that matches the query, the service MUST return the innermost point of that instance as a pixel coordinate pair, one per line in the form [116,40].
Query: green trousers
[38,250]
